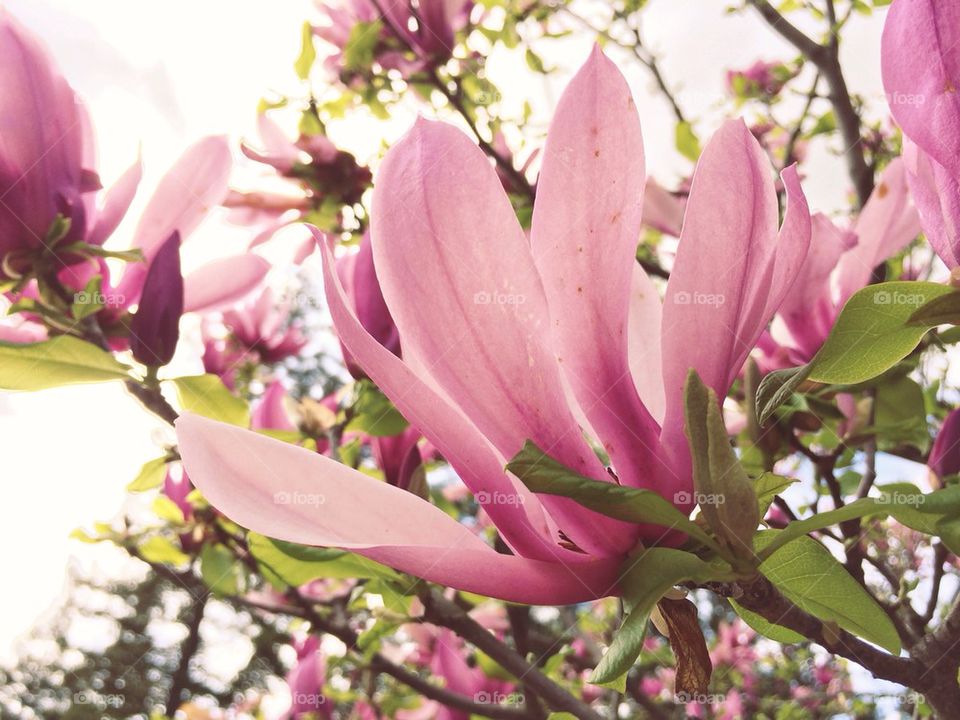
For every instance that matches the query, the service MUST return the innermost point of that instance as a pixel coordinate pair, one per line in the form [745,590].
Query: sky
[157,76]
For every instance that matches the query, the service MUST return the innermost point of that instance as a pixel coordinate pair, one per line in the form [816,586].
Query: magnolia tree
[594,446]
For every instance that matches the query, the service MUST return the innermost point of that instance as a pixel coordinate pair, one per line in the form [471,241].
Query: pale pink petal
[460,283]
[116,202]
[586,226]
[886,225]
[195,184]
[223,281]
[290,493]
[937,196]
[516,512]
[270,412]
[732,270]
[662,210]
[643,334]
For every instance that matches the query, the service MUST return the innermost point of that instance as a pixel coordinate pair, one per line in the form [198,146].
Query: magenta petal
[586,225]
[155,328]
[920,61]
[643,335]
[223,281]
[516,512]
[457,274]
[290,493]
[270,412]
[945,453]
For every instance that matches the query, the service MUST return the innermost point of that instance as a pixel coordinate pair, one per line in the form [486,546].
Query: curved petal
[270,413]
[920,62]
[460,283]
[196,183]
[937,196]
[732,270]
[223,281]
[586,226]
[293,494]
[643,335]
[887,224]
[116,202]
[514,510]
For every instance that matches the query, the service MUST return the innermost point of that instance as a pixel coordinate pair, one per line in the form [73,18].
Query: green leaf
[63,360]
[534,62]
[167,509]
[648,576]
[296,565]
[308,53]
[159,549]
[374,414]
[872,333]
[724,492]
[220,570]
[151,475]
[207,395]
[767,486]
[765,627]
[942,310]
[687,142]
[360,48]
[776,388]
[813,580]
[542,474]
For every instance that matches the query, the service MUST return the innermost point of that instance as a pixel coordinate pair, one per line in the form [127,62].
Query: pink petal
[920,61]
[662,210]
[460,283]
[196,183]
[223,281]
[271,413]
[116,202]
[886,225]
[732,270]
[293,494]
[586,225]
[937,196]
[516,512]
[643,335]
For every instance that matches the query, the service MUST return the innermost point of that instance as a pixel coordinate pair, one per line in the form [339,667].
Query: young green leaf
[542,474]
[296,565]
[725,493]
[220,570]
[776,388]
[765,627]
[63,360]
[207,395]
[150,476]
[813,580]
[648,575]
[873,332]
[942,310]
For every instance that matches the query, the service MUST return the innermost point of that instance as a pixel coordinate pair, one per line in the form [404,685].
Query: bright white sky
[159,75]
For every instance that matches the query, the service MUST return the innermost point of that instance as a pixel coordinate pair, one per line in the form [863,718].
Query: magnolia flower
[507,339]
[428,30]
[839,263]
[262,326]
[921,73]
[306,681]
[43,160]
[762,79]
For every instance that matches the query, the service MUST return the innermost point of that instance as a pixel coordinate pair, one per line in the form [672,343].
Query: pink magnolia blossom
[43,163]
[920,61]
[506,339]
[306,681]
[839,263]
[428,30]
[761,79]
